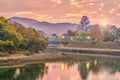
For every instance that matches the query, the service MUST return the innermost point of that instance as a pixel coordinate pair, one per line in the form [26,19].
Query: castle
[84,25]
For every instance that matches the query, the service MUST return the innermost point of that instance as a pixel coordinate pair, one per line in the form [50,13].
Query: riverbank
[99,45]
[17,59]
[31,57]
[21,60]
[92,51]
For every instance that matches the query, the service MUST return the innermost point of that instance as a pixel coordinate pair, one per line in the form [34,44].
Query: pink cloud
[57,10]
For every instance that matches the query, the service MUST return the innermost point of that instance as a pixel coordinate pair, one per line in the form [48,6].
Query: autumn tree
[32,39]
[96,33]
[18,37]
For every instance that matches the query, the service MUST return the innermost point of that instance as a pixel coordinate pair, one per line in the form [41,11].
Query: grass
[1,53]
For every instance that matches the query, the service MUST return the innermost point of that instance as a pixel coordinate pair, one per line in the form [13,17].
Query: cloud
[112,11]
[71,15]
[23,12]
[91,4]
[102,4]
[99,21]
[62,10]
[57,1]
[75,3]
[44,16]
[118,5]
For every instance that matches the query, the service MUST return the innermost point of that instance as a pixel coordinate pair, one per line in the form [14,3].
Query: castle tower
[84,25]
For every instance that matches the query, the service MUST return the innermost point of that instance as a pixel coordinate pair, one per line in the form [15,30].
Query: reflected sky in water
[103,75]
[61,71]
[83,70]
[80,71]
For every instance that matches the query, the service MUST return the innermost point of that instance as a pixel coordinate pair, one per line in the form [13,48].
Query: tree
[54,34]
[33,40]
[8,46]
[96,33]
[118,33]
[84,34]
[1,26]
[18,37]
[70,33]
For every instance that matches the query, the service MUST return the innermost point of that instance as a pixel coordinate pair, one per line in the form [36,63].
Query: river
[67,70]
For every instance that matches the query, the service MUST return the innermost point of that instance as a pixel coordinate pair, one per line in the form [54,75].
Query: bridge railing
[69,38]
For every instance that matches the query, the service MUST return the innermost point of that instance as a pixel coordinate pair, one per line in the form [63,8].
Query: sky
[98,11]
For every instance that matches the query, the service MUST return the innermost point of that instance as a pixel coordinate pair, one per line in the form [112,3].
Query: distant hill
[48,28]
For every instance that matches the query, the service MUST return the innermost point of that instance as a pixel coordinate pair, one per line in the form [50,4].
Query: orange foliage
[97,33]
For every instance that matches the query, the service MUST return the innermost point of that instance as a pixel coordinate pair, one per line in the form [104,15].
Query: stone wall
[104,45]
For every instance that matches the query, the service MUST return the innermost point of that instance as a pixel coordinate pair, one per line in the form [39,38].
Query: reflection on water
[29,72]
[83,70]
[62,71]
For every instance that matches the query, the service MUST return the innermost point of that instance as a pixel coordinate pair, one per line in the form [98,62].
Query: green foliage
[84,34]
[3,22]
[42,45]
[110,37]
[118,33]
[16,37]
[29,72]
[71,33]
[33,40]
[1,26]
[1,53]
[7,46]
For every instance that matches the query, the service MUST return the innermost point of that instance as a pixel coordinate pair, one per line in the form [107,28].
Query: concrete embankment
[101,45]
[35,58]
[92,51]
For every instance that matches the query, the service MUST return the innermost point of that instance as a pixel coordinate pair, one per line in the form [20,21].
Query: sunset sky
[99,11]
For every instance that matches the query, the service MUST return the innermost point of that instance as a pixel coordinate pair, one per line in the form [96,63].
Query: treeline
[97,32]
[17,37]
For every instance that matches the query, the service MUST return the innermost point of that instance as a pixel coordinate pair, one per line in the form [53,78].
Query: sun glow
[104,24]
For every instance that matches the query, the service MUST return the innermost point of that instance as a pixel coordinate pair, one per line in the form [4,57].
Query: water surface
[81,70]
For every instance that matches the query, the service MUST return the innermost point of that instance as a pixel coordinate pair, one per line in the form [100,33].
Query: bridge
[54,39]
[57,44]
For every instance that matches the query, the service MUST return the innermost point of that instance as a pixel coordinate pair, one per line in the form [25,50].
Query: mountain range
[48,28]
